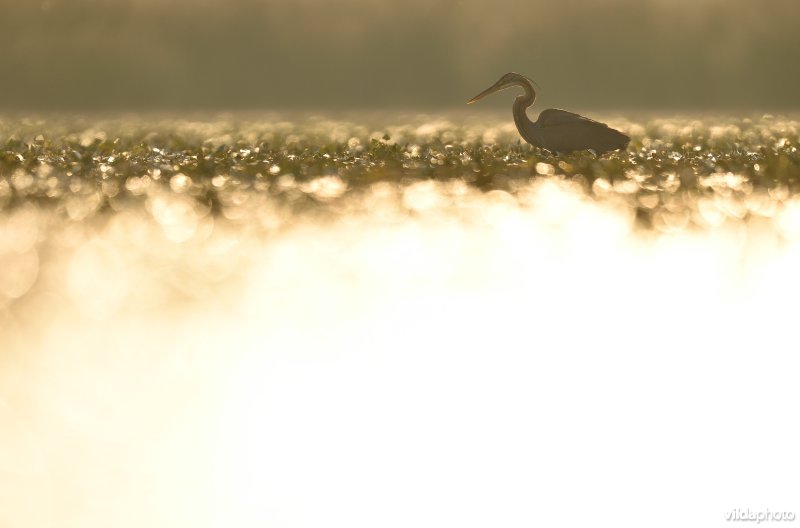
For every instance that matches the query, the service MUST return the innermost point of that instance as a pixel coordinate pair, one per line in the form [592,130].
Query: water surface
[395,320]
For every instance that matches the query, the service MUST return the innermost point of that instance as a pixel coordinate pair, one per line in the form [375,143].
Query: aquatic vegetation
[703,170]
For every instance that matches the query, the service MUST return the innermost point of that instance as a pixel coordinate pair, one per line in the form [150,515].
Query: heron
[556,130]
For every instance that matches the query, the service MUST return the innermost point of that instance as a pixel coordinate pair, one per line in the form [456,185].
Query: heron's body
[556,130]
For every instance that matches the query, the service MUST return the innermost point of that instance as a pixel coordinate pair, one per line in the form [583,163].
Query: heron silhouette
[556,130]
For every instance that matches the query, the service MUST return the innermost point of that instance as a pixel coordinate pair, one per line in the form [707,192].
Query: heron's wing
[554,116]
[563,131]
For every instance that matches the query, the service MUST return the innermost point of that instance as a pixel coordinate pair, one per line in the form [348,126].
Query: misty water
[395,320]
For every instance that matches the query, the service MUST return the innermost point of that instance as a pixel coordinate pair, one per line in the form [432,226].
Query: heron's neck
[520,104]
[525,100]
[521,119]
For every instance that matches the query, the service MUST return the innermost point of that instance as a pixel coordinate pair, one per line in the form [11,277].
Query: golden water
[384,346]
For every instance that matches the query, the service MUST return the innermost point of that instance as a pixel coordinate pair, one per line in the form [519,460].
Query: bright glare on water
[319,323]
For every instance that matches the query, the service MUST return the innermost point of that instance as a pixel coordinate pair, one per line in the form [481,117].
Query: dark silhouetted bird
[556,130]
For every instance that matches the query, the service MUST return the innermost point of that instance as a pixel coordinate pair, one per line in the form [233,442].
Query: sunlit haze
[396,54]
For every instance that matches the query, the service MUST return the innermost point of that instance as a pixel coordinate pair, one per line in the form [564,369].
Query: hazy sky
[397,54]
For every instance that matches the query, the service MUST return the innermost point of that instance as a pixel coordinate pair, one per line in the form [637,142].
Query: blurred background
[410,54]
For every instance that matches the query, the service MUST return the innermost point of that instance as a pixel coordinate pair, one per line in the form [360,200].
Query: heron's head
[506,81]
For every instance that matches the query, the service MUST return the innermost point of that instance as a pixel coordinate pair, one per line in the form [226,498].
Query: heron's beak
[492,89]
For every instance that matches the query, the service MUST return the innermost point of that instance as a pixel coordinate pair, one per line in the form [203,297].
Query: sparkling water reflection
[226,324]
